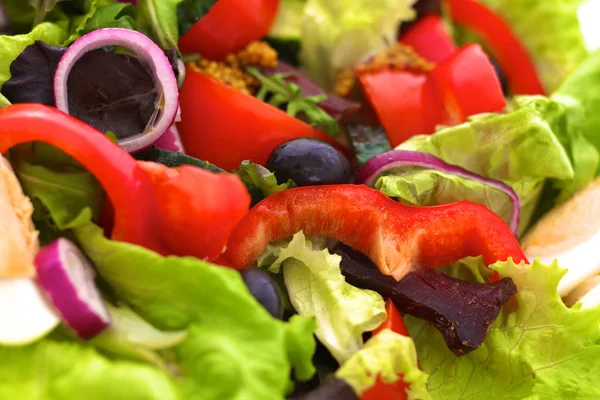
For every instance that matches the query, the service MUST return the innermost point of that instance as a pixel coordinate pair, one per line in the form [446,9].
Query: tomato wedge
[225,126]
[229,26]
[430,39]
[468,85]
[512,57]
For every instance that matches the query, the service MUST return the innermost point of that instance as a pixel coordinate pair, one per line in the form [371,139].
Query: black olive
[309,162]
[264,289]
[501,76]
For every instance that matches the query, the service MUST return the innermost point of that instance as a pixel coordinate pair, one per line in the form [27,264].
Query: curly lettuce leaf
[539,350]
[70,371]
[425,187]
[260,177]
[386,355]
[316,287]
[534,142]
[336,34]
[579,94]
[234,348]
[12,46]
[551,31]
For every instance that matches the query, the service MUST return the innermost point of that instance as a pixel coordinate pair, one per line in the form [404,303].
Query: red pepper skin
[514,60]
[394,321]
[225,126]
[406,102]
[200,208]
[430,39]
[127,185]
[398,238]
[468,85]
[229,26]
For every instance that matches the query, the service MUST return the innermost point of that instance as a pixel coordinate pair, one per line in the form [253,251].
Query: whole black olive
[309,162]
[264,289]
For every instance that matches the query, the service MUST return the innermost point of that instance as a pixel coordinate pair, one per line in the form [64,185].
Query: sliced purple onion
[170,140]
[338,107]
[393,159]
[68,278]
[149,53]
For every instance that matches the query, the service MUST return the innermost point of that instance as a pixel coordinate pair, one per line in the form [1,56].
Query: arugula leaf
[120,15]
[277,92]
[541,350]
[191,11]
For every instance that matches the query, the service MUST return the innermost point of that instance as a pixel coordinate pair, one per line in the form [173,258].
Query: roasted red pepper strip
[430,39]
[225,126]
[127,185]
[229,26]
[514,60]
[398,238]
[382,390]
[184,211]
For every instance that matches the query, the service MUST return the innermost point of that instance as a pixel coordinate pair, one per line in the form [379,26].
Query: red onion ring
[381,163]
[148,52]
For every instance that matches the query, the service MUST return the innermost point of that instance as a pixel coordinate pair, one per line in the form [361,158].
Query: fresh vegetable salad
[299,199]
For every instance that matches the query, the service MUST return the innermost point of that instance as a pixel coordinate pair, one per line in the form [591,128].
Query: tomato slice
[225,126]
[229,26]
[512,57]
[468,84]
[406,102]
[430,39]
[198,209]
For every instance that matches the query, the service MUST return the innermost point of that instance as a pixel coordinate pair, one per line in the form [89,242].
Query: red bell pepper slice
[184,211]
[229,26]
[514,60]
[382,390]
[406,102]
[398,238]
[468,85]
[430,39]
[225,126]
[127,185]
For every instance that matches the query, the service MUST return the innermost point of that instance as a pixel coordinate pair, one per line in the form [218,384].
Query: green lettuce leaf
[523,148]
[12,46]
[550,30]
[71,371]
[539,350]
[336,34]
[316,287]
[234,348]
[120,15]
[425,187]
[580,96]
[158,20]
[256,175]
[386,355]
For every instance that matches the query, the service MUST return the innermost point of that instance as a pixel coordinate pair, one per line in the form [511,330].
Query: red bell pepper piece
[382,390]
[468,85]
[406,102]
[184,211]
[430,39]
[225,126]
[229,26]
[514,60]
[200,208]
[398,238]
